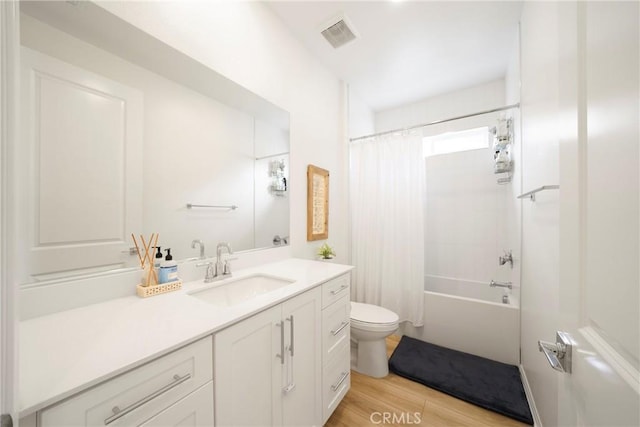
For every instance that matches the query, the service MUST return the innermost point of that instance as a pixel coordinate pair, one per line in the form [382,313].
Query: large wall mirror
[123,134]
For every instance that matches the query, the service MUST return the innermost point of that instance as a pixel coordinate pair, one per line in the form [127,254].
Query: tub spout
[493,284]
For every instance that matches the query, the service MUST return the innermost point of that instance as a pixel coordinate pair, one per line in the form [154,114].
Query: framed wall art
[317,203]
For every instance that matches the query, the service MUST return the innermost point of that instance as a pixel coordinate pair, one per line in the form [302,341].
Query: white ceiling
[407,51]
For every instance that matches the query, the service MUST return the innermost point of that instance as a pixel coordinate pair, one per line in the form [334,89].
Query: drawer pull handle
[281,355]
[341,327]
[119,413]
[340,381]
[290,319]
[337,291]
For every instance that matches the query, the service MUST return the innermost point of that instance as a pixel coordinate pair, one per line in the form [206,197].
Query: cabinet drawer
[196,409]
[138,394]
[335,289]
[335,326]
[336,380]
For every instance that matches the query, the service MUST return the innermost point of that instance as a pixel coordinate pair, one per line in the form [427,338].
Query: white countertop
[66,352]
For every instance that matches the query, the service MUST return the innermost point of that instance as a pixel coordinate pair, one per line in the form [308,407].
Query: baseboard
[532,403]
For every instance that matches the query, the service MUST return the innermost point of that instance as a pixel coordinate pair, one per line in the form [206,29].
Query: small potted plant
[326,252]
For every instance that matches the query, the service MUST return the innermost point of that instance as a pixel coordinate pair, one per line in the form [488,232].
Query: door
[248,371]
[82,191]
[599,299]
[301,385]
[9,124]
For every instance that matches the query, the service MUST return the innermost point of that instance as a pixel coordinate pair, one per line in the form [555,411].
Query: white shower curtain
[387,228]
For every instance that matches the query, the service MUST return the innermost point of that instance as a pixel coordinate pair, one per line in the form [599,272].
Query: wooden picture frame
[317,203]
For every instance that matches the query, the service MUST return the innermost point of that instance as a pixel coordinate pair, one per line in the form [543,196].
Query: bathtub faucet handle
[507,258]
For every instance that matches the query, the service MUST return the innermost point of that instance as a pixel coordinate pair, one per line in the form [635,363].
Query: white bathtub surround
[486,329]
[387,190]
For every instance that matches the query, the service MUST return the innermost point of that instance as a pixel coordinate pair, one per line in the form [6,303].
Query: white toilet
[370,325]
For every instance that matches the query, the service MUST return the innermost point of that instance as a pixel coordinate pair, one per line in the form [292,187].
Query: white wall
[361,116]
[246,42]
[540,220]
[453,104]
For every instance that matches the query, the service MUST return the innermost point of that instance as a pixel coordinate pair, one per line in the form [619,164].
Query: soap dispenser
[158,260]
[168,269]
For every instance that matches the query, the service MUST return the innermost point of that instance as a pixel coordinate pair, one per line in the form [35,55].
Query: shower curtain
[387,223]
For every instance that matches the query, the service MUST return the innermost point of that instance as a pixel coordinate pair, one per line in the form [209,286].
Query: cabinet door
[247,371]
[194,410]
[301,393]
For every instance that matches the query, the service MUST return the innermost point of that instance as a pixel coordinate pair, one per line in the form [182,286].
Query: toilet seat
[372,317]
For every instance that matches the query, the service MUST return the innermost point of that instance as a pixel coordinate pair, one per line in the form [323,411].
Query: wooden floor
[411,403]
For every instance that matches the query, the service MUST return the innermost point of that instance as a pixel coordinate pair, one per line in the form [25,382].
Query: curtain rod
[506,107]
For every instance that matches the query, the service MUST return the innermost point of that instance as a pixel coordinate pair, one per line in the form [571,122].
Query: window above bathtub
[453,142]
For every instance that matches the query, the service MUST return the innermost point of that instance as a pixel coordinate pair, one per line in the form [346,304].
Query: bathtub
[470,317]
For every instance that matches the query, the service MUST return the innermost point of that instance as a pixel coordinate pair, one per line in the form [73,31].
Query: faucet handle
[226,270]
[210,274]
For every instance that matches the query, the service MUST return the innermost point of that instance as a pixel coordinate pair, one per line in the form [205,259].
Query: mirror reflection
[124,134]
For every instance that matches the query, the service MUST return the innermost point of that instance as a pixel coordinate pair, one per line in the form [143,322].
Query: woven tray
[149,291]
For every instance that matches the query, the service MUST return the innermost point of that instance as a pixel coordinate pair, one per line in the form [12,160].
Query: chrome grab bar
[340,381]
[342,288]
[493,284]
[341,327]
[119,413]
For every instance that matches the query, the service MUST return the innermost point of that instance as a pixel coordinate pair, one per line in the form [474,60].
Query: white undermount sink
[236,291]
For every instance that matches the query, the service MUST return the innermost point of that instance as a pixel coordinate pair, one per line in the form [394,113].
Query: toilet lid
[369,313]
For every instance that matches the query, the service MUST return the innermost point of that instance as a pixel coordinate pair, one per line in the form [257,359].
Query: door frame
[9,133]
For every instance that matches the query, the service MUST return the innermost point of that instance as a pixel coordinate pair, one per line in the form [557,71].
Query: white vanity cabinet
[280,360]
[336,347]
[268,367]
[167,391]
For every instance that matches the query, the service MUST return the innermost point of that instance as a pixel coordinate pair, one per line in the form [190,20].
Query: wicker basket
[149,291]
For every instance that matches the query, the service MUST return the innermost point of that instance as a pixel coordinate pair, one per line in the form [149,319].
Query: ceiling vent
[339,31]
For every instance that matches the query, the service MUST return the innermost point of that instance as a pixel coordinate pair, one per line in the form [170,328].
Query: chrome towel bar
[191,206]
[532,194]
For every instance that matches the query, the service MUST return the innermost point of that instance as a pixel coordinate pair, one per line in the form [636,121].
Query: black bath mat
[492,385]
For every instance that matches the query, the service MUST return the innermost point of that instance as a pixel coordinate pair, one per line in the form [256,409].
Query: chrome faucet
[222,269]
[199,243]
